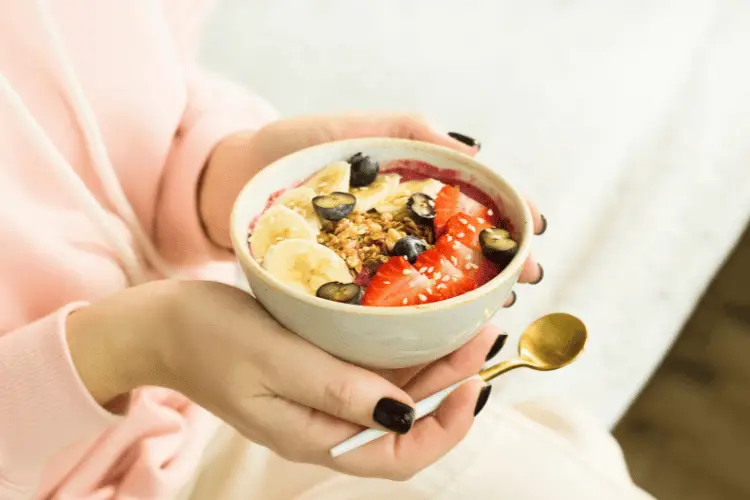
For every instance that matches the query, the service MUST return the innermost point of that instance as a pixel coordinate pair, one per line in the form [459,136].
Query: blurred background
[629,123]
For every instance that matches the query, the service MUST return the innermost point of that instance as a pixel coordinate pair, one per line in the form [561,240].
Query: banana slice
[379,189]
[279,223]
[305,265]
[300,200]
[332,178]
[396,200]
[430,187]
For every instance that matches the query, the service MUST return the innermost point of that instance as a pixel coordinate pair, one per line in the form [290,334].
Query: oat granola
[364,240]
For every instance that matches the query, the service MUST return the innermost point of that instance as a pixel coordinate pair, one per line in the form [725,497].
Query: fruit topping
[450,201]
[300,200]
[371,195]
[330,179]
[334,206]
[498,246]
[449,281]
[397,284]
[279,223]
[465,228]
[397,199]
[346,293]
[364,170]
[305,265]
[467,260]
[409,247]
[421,208]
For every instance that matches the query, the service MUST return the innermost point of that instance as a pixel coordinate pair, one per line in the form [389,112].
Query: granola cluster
[364,240]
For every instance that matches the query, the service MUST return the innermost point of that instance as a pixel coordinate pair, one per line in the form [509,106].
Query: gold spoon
[549,343]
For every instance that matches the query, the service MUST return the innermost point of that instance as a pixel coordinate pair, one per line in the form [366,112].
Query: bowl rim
[239,234]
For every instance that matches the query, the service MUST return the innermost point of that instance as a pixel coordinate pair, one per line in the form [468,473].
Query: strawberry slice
[450,201]
[397,283]
[466,228]
[449,281]
[465,259]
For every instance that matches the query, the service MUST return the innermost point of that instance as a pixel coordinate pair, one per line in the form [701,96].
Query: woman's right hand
[218,346]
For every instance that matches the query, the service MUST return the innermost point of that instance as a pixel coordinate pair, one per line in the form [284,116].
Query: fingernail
[484,395]
[394,415]
[544,225]
[469,141]
[515,297]
[497,346]
[541,275]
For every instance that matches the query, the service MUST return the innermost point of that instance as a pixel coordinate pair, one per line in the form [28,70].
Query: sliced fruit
[300,200]
[397,284]
[449,281]
[279,223]
[345,293]
[305,265]
[465,228]
[498,246]
[371,195]
[396,201]
[430,187]
[450,201]
[364,170]
[334,206]
[331,178]
[421,208]
[409,247]
[467,260]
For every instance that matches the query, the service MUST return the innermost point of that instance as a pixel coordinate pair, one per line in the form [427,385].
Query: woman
[121,161]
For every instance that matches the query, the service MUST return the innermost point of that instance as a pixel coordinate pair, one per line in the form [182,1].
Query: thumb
[318,380]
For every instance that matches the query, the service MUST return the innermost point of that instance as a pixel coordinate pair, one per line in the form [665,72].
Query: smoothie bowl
[386,253]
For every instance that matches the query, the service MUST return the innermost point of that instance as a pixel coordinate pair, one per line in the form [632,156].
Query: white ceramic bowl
[379,337]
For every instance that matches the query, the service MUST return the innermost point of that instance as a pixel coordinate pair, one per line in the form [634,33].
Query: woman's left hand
[239,157]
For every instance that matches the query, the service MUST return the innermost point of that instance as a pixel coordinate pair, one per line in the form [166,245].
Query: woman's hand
[217,346]
[240,157]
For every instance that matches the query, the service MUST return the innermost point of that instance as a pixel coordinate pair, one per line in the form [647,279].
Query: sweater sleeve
[44,405]
[215,109]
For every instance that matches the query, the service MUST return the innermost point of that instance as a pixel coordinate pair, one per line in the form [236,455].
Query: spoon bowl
[549,343]
[553,341]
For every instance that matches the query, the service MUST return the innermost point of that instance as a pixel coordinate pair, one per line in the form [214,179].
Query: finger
[511,300]
[419,129]
[531,272]
[463,363]
[540,221]
[302,373]
[400,457]
[293,431]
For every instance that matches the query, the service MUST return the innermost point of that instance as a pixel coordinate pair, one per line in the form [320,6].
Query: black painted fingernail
[544,225]
[515,297]
[394,415]
[497,346]
[541,275]
[484,395]
[469,141]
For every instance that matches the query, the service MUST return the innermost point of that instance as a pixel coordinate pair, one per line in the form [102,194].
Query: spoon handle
[422,409]
[498,369]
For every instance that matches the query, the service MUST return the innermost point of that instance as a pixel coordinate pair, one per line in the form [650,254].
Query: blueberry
[345,293]
[421,208]
[334,206]
[409,247]
[364,170]
[498,246]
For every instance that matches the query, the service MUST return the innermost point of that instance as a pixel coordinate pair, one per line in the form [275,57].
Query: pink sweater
[105,125]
